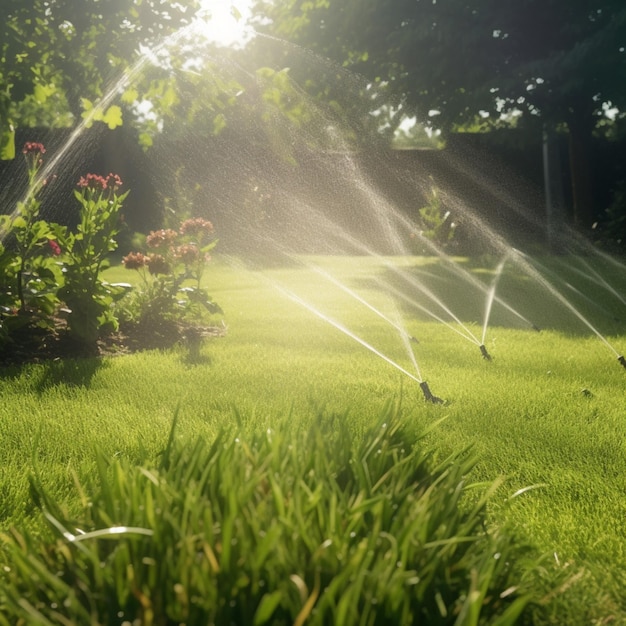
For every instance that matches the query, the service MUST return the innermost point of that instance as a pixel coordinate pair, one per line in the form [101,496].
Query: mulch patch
[37,345]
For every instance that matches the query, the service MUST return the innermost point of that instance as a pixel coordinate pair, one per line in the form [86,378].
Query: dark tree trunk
[580,134]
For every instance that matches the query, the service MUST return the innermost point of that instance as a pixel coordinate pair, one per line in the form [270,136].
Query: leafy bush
[48,271]
[29,271]
[438,225]
[88,297]
[321,527]
[171,274]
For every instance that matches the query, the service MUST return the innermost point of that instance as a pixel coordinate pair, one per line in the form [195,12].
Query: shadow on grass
[522,301]
[68,372]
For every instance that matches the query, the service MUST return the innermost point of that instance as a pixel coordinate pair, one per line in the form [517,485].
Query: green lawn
[547,413]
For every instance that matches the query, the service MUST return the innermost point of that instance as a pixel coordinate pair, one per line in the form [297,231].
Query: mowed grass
[547,413]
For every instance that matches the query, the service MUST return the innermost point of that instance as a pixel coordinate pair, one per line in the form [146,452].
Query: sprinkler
[486,355]
[536,328]
[413,339]
[622,361]
[428,396]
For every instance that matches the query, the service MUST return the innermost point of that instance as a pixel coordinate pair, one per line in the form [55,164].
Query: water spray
[486,355]
[428,395]
[362,300]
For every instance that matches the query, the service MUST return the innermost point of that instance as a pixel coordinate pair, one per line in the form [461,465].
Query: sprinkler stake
[536,328]
[622,360]
[486,355]
[413,339]
[428,396]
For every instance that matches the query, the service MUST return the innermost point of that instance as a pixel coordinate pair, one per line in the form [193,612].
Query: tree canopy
[59,55]
[462,62]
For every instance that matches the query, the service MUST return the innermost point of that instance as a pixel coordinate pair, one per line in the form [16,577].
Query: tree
[557,62]
[59,55]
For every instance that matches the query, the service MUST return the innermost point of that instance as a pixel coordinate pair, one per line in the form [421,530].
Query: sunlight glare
[224,22]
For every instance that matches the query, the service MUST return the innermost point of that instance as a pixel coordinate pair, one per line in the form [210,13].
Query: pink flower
[33,151]
[32,147]
[54,246]
[113,181]
[93,181]
[157,264]
[134,260]
[159,238]
[187,253]
[196,226]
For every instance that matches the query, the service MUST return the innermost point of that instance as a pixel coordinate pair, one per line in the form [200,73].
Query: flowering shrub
[29,271]
[43,266]
[172,272]
[46,269]
[89,298]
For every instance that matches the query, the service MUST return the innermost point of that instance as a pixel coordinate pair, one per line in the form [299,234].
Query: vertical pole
[553,185]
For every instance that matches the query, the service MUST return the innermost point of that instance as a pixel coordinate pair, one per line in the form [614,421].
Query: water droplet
[352,535]
[496,556]
[384,426]
[236,439]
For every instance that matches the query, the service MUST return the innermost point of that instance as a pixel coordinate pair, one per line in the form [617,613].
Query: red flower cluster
[134,261]
[160,238]
[93,181]
[114,181]
[100,183]
[188,253]
[32,147]
[54,246]
[196,226]
[157,264]
[33,151]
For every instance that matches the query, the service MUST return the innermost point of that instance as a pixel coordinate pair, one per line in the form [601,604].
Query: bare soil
[35,345]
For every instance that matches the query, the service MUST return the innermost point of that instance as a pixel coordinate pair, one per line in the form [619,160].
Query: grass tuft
[288,526]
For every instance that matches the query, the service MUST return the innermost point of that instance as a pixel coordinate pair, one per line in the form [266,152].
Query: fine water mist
[285,175]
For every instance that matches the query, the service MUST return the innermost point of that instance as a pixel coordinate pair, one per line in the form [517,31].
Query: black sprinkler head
[413,339]
[428,396]
[622,361]
[536,328]
[483,351]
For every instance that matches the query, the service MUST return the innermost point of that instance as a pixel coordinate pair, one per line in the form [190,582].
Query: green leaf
[7,143]
[130,96]
[266,608]
[219,124]
[113,117]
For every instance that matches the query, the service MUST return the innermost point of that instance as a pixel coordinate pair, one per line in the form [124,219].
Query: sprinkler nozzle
[486,355]
[536,328]
[622,361]
[428,396]
[413,339]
